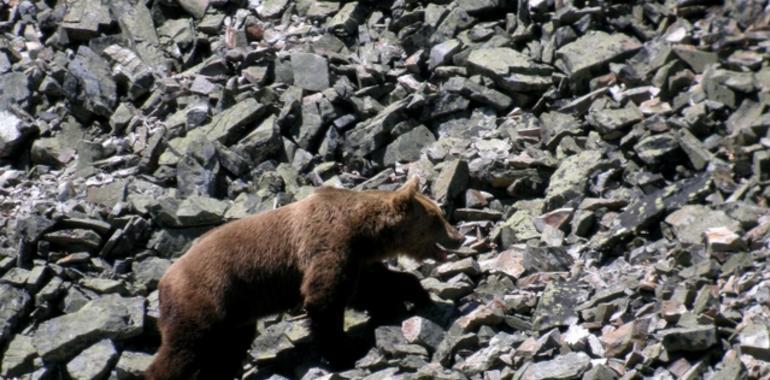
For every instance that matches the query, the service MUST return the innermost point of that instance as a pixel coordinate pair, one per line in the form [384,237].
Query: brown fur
[324,252]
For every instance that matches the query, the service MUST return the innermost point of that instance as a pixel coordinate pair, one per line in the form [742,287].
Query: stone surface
[110,316]
[311,71]
[94,362]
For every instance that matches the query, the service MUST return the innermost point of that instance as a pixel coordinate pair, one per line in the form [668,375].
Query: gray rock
[409,146]
[755,340]
[199,210]
[689,339]
[18,357]
[569,366]
[650,208]
[108,317]
[699,156]
[367,137]
[227,127]
[520,226]
[511,70]
[451,181]
[696,58]
[76,239]
[130,70]
[196,8]
[11,134]
[108,195]
[422,331]
[15,87]
[16,303]
[442,53]
[557,306]
[83,18]
[311,71]
[132,365]
[612,122]
[478,93]
[94,362]
[691,222]
[570,178]
[346,20]
[149,271]
[657,149]
[98,90]
[593,50]
[489,356]
[600,372]
[271,8]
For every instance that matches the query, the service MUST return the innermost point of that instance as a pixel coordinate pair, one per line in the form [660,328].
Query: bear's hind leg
[223,357]
[170,364]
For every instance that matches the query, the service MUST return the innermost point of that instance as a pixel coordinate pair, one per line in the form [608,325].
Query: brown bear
[324,252]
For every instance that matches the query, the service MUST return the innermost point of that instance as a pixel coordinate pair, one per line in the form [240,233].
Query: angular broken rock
[570,178]
[557,306]
[108,317]
[94,362]
[451,181]
[422,331]
[10,133]
[563,367]
[689,339]
[593,50]
[723,239]
[311,71]
[754,339]
[16,303]
[512,71]
[691,222]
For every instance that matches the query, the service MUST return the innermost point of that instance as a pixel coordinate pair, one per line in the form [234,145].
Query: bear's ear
[407,191]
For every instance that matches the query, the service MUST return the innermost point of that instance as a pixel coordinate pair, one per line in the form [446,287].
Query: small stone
[592,50]
[311,71]
[132,365]
[697,59]
[200,210]
[451,181]
[271,8]
[689,339]
[149,271]
[469,266]
[611,123]
[16,303]
[83,18]
[656,149]
[489,314]
[110,316]
[442,53]
[18,357]
[570,178]
[569,366]
[409,146]
[197,8]
[418,330]
[94,362]
[11,134]
[691,222]
[557,306]
[755,340]
[723,239]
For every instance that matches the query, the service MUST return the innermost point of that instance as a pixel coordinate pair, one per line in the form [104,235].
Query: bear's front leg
[326,288]
[382,292]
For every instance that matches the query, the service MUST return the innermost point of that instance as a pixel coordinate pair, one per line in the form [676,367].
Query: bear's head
[422,231]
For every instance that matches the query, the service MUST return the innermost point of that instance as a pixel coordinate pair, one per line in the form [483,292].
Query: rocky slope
[608,162]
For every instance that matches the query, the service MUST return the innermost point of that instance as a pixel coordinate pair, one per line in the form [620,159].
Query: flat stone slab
[594,49]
